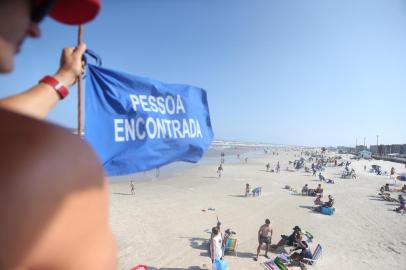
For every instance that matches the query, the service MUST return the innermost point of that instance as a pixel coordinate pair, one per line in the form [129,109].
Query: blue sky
[314,72]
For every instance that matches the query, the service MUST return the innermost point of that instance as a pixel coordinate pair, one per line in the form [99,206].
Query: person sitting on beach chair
[304,251]
[319,190]
[318,200]
[256,191]
[329,203]
[305,190]
[291,239]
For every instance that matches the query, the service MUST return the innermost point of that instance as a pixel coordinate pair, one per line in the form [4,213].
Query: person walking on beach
[157,172]
[132,188]
[268,166]
[365,168]
[246,160]
[278,167]
[392,172]
[52,216]
[219,170]
[264,237]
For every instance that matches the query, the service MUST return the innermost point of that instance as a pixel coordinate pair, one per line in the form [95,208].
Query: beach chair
[231,246]
[316,255]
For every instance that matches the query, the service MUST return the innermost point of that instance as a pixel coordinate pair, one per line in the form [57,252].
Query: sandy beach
[163,225]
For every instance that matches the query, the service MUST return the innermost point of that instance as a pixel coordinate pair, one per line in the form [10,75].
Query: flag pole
[80,90]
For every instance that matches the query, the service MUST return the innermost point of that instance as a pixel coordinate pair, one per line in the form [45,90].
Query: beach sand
[164,227]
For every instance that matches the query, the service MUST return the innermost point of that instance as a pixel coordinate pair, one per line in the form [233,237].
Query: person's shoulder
[28,141]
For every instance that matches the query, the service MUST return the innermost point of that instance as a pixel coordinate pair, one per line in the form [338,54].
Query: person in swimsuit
[264,237]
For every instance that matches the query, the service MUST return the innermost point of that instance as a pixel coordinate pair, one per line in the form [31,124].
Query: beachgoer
[157,172]
[278,167]
[319,189]
[329,203]
[318,200]
[402,204]
[52,216]
[216,245]
[264,237]
[365,168]
[386,188]
[132,188]
[291,239]
[219,170]
[305,189]
[392,172]
[321,177]
[246,160]
[267,166]
[304,251]
[247,190]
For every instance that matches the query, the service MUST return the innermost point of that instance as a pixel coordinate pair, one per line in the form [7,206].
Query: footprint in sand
[394,250]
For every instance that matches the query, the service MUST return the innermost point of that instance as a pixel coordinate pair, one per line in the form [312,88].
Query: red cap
[75,11]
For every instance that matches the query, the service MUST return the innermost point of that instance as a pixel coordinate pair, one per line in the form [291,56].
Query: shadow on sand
[120,193]
[200,244]
[237,196]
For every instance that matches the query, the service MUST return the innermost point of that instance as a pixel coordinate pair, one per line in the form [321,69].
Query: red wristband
[55,84]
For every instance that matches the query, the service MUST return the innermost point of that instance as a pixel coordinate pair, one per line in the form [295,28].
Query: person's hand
[71,65]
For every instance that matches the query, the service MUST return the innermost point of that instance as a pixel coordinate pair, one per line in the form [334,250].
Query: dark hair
[214,230]
[267,221]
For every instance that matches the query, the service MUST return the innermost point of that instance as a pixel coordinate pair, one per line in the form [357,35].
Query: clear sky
[304,72]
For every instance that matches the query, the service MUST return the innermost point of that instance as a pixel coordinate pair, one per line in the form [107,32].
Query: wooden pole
[80,90]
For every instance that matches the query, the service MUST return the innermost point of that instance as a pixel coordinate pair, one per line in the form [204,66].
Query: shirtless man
[53,196]
[264,237]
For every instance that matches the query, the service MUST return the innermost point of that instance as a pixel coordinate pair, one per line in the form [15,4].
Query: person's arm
[41,98]
[213,249]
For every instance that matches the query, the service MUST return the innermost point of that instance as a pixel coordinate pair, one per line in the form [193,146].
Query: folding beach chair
[316,255]
[231,246]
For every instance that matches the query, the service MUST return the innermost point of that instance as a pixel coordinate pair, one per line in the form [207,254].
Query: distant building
[403,149]
[373,149]
[345,149]
[396,148]
[360,148]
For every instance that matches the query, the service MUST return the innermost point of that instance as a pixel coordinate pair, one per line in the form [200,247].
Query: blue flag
[136,124]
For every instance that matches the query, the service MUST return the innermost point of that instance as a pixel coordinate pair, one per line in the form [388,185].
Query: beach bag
[220,265]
